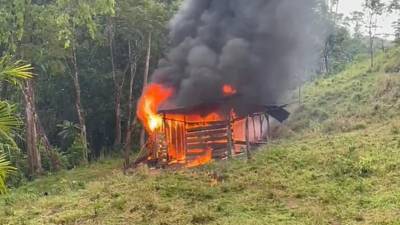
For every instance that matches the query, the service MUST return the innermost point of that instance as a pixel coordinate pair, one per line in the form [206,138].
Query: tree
[333,7]
[118,84]
[34,158]
[339,47]
[21,39]
[73,17]
[394,7]
[131,123]
[357,20]
[330,15]
[373,9]
[82,52]
[145,81]
[11,24]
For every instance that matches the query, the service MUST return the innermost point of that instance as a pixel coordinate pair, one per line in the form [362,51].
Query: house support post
[254,128]
[164,145]
[247,139]
[230,138]
[261,127]
[268,128]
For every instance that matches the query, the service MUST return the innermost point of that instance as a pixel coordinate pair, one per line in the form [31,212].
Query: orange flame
[200,160]
[205,118]
[228,90]
[153,96]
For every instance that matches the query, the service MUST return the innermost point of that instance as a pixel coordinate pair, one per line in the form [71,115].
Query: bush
[53,159]
[393,64]
[76,153]
[388,89]
[19,161]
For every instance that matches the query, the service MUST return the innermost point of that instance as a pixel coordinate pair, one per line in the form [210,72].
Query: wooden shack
[193,136]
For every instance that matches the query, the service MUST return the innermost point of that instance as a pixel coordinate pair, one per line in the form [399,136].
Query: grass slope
[341,167]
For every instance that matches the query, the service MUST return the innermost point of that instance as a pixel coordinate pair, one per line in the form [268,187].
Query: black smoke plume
[257,46]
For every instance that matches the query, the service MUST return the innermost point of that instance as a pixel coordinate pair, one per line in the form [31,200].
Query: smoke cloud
[257,46]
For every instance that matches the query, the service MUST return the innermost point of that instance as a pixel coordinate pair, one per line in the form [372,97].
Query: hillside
[338,164]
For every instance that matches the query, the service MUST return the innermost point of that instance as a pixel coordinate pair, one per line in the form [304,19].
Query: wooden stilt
[164,142]
[186,137]
[176,132]
[170,142]
[261,127]
[183,140]
[157,146]
[254,129]
[268,128]
[229,133]
[179,139]
[247,139]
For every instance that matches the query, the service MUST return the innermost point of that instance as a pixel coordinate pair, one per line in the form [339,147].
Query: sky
[348,6]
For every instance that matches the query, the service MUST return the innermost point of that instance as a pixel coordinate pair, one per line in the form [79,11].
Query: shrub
[393,64]
[5,169]
[53,159]
[18,160]
[76,153]
[388,89]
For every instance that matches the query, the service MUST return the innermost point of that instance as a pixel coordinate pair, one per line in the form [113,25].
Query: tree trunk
[118,138]
[78,104]
[131,123]
[117,89]
[145,81]
[371,39]
[337,10]
[128,142]
[55,160]
[34,159]
[133,69]
[326,61]
[147,68]
[371,49]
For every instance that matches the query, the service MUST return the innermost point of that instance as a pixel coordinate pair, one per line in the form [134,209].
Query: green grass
[339,165]
[349,178]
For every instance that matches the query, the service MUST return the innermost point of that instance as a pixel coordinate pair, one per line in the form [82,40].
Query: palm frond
[14,71]
[68,129]
[8,121]
[5,170]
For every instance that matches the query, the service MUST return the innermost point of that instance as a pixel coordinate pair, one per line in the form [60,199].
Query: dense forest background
[71,72]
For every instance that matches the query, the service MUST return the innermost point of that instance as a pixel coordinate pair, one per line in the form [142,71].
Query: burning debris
[230,63]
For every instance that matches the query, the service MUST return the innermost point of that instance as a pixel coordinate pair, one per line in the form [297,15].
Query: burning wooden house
[192,136]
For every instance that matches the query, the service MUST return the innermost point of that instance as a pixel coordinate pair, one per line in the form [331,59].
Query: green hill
[353,99]
[338,163]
